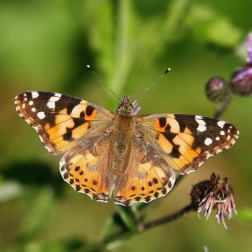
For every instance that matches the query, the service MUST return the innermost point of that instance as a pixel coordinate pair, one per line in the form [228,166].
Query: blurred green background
[46,45]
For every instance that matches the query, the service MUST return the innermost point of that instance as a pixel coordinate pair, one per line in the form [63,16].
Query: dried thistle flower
[213,194]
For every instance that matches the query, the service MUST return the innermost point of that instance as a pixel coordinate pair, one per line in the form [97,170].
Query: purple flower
[241,81]
[249,48]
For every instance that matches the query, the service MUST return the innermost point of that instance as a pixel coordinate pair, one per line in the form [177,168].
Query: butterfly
[132,157]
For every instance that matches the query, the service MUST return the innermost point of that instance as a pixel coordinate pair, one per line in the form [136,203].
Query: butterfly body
[122,137]
[132,157]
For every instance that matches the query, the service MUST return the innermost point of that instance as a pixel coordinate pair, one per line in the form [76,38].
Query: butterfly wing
[186,141]
[85,167]
[61,121]
[146,176]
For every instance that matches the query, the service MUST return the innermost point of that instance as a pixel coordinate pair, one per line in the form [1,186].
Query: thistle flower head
[217,89]
[214,194]
[241,80]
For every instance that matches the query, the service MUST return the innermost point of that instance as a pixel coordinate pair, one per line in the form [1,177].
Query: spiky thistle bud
[217,89]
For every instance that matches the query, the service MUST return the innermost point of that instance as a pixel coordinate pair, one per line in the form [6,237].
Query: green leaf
[127,217]
[110,226]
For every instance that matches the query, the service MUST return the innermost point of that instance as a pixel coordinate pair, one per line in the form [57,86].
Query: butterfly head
[126,108]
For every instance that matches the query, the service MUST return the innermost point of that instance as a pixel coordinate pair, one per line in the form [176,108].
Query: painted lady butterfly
[132,156]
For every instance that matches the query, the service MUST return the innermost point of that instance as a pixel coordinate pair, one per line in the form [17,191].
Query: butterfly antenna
[166,71]
[90,68]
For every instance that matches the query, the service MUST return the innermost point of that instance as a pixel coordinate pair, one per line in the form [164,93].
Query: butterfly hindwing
[186,141]
[146,176]
[86,169]
[61,121]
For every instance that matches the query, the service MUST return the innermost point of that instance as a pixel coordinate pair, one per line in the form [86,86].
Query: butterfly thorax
[122,135]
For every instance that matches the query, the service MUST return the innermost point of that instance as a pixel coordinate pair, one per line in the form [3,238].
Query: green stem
[220,110]
[119,237]
[167,218]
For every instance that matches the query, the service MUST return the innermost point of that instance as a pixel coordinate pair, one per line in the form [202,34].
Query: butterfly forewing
[61,121]
[186,141]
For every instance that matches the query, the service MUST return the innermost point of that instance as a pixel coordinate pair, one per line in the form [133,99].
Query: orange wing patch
[68,128]
[89,111]
[182,144]
[162,124]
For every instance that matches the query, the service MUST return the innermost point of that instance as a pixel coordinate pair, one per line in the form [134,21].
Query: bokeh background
[46,45]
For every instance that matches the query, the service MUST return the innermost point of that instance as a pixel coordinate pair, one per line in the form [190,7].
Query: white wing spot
[228,138]
[221,124]
[35,129]
[201,164]
[198,117]
[172,180]
[25,99]
[57,94]
[23,105]
[41,115]
[47,148]
[190,171]
[51,104]
[54,99]
[209,155]
[34,94]
[62,162]
[208,141]
[199,121]
[30,102]
[217,138]
[201,128]
[41,139]
[33,109]
[222,133]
